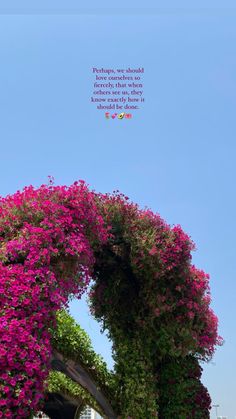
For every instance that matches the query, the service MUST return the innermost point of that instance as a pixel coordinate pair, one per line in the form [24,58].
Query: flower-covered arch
[154,303]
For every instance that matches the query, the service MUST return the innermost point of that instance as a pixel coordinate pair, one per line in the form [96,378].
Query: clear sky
[176,156]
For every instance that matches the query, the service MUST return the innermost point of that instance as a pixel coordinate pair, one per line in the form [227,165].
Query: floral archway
[147,294]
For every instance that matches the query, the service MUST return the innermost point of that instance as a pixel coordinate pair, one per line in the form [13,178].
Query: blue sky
[177,154]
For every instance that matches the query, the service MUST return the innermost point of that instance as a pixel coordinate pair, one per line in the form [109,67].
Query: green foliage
[136,390]
[58,382]
[73,343]
[181,393]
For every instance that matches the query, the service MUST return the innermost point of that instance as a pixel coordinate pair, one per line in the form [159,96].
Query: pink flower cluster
[47,242]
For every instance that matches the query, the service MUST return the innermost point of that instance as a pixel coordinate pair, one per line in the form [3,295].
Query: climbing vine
[181,393]
[74,343]
[153,301]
